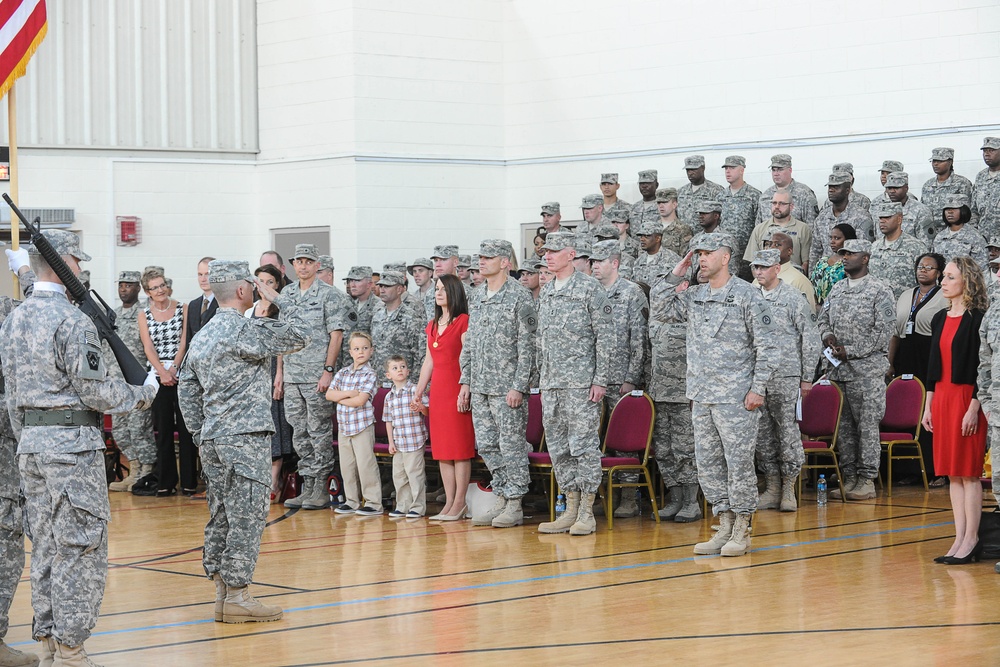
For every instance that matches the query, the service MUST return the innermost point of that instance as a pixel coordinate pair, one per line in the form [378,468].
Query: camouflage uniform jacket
[893,262]
[739,214]
[224,386]
[966,242]
[52,360]
[676,237]
[642,211]
[499,349]
[989,364]
[731,348]
[863,318]
[630,320]
[935,194]
[688,200]
[365,310]
[647,267]
[326,309]
[668,345]
[795,332]
[804,206]
[127,326]
[853,215]
[428,300]
[413,303]
[402,332]
[986,202]
[575,336]
[854,197]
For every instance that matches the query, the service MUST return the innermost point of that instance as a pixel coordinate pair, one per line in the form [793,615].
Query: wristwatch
[329,369]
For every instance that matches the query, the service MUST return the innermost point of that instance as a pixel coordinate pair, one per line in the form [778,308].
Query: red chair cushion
[884,437]
[815,444]
[539,458]
[612,461]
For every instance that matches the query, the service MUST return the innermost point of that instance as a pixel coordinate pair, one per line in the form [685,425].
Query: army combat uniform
[893,262]
[986,197]
[400,331]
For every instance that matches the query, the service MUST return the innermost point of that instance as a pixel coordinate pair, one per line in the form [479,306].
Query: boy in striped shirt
[407,434]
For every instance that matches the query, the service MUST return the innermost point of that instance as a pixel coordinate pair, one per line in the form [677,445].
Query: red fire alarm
[129,230]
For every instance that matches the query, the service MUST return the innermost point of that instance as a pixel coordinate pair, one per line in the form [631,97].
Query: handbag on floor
[989,535]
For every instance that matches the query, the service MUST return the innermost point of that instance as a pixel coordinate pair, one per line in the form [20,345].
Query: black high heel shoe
[941,559]
[973,557]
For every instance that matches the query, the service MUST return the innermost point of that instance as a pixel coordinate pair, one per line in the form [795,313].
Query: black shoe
[189,492]
[965,560]
[163,493]
[941,559]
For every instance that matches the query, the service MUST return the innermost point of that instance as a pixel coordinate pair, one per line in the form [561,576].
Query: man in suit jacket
[201,310]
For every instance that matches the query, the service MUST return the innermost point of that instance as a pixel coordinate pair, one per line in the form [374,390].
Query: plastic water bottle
[821,491]
[560,504]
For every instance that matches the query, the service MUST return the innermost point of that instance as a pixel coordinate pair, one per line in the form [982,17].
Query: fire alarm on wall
[129,230]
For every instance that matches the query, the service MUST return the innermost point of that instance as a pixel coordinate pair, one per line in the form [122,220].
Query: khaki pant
[357,464]
[410,481]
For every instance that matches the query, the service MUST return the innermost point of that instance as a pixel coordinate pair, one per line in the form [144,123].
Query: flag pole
[12,141]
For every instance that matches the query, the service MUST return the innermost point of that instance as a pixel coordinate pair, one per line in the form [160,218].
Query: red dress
[452,435]
[955,454]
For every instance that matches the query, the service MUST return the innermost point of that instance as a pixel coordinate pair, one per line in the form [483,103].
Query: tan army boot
[847,485]
[486,518]
[585,521]
[511,515]
[125,484]
[674,503]
[691,508]
[719,540]
[565,521]
[319,497]
[628,507]
[739,541]
[48,652]
[241,607]
[72,656]
[863,490]
[220,596]
[11,657]
[772,494]
[296,502]
[788,502]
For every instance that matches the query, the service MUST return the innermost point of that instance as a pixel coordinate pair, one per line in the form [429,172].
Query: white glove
[16,259]
[151,380]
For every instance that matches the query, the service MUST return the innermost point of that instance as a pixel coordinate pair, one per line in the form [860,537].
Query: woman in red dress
[952,409]
[453,440]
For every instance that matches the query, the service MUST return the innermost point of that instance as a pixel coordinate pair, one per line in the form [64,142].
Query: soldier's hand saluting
[265,291]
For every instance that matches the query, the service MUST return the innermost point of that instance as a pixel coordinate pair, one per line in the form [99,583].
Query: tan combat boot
[241,607]
[72,656]
[721,537]
[48,652]
[739,541]
[847,485]
[565,521]
[771,497]
[863,490]
[11,657]
[788,502]
[220,596]
[486,518]
[511,516]
[674,503]
[628,507]
[691,508]
[296,502]
[585,521]
[125,484]
[319,496]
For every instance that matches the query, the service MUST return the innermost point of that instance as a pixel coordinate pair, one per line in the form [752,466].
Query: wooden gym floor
[850,585]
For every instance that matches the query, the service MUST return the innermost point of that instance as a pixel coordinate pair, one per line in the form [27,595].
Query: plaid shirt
[409,430]
[355,420]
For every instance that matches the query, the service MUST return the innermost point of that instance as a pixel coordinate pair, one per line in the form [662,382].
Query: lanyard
[915,305]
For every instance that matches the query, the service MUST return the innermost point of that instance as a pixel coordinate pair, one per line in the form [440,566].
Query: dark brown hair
[454,290]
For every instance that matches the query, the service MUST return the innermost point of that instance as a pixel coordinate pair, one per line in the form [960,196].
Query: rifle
[102,314]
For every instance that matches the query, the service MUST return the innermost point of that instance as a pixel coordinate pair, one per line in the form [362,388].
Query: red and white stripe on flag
[22,28]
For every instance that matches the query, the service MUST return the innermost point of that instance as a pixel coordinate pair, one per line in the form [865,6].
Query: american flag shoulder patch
[91,338]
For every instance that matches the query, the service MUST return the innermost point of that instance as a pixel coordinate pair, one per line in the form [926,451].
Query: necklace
[439,332]
[161,310]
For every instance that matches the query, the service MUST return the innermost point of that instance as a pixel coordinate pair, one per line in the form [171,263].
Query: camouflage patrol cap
[398,266]
[391,279]
[306,251]
[694,161]
[603,250]
[769,257]
[445,251]
[359,273]
[735,161]
[583,245]
[862,246]
[228,271]
[897,179]
[325,263]
[154,269]
[556,241]
[591,201]
[533,265]
[464,261]
[650,228]
[420,261]
[839,178]
[606,231]
[64,243]
[844,166]
[991,142]
[129,277]
[666,194]
[708,206]
[550,208]
[609,178]
[993,242]
[956,200]
[942,154]
[618,214]
[887,209]
[781,161]
[647,176]
[475,263]
[496,248]
[891,165]
[712,242]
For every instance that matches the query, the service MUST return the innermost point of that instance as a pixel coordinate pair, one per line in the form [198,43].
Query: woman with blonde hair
[952,411]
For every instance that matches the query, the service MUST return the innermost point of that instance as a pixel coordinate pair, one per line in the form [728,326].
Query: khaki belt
[63,418]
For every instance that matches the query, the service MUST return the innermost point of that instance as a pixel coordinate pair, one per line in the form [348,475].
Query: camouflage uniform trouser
[238,470]
[858,445]
[993,437]
[673,439]
[779,443]
[133,433]
[725,435]
[11,530]
[311,418]
[610,400]
[66,519]
[500,441]
[571,422]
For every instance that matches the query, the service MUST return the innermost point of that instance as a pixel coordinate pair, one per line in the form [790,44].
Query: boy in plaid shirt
[407,435]
[352,390]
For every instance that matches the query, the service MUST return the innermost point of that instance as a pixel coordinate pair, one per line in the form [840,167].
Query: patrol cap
[129,277]
[712,241]
[618,214]
[398,266]
[844,166]
[359,273]
[475,263]
[991,142]
[420,261]
[325,263]
[306,251]
[609,178]
[708,206]
[666,194]
[995,261]
[769,257]
[550,207]
[993,242]
[694,161]
[863,246]
[956,200]
[781,161]
[650,228]
[897,179]
[604,249]
[591,201]
[464,261]
[891,165]
[531,266]
[391,279]
[583,244]
[647,176]
[735,161]
[228,271]
[444,252]
[496,248]
[942,154]
[64,243]
[839,178]
[556,241]
[887,209]
[606,231]
[154,269]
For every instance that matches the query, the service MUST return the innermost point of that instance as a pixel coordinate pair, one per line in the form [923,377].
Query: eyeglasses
[926,268]
[157,288]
